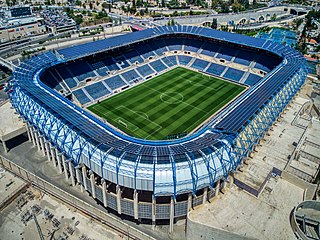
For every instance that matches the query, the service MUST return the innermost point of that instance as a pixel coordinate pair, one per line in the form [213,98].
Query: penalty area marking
[135,115]
[171,97]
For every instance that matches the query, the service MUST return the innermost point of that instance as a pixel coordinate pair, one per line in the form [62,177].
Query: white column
[58,162]
[42,145]
[153,212]
[28,132]
[104,193]
[223,184]
[64,164]
[71,173]
[135,205]
[189,201]
[36,134]
[171,215]
[217,188]
[59,156]
[231,179]
[93,189]
[32,135]
[47,145]
[78,178]
[205,195]
[53,155]
[118,189]
[5,146]
[84,177]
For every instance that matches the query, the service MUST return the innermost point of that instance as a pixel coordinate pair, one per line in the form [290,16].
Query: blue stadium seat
[145,70]
[233,74]
[210,49]
[51,81]
[145,51]
[133,57]
[70,82]
[252,79]
[170,61]
[63,72]
[226,53]
[97,90]
[174,44]
[103,71]
[130,75]
[110,64]
[158,66]
[159,46]
[81,96]
[121,60]
[265,63]
[115,82]
[80,68]
[200,64]
[97,65]
[184,60]
[245,58]
[192,45]
[215,69]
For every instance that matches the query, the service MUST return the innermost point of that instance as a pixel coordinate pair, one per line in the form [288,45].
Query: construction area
[36,215]
[278,175]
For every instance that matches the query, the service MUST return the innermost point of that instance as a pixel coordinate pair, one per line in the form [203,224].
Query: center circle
[171,97]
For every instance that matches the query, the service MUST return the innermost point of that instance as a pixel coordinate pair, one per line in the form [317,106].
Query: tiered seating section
[91,79]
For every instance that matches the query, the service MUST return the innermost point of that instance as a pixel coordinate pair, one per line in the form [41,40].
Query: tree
[78,19]
[104,5]
[214,24]
[236,7]
[224,8]
[139,3]
[274,17]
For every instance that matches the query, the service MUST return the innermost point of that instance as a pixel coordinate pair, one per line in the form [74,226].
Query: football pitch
[174,102]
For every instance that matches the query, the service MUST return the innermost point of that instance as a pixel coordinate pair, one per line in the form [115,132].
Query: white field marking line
[205,116]
[146,117]
[154,131]
[142,113]
[177,99]
[117,120]
[134,131]
[220,105]
[168,94]
[200,84]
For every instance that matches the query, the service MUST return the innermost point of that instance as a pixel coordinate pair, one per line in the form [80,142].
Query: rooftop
[265,218]
[11,125]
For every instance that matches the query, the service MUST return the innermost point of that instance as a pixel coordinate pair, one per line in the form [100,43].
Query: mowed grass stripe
[205,104]
[202,97]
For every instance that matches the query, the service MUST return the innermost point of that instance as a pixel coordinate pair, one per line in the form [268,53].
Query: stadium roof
[231,119]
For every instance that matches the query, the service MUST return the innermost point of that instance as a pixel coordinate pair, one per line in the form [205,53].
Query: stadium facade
[154,180]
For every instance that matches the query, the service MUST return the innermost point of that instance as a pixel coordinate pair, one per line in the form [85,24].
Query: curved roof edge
[27,75]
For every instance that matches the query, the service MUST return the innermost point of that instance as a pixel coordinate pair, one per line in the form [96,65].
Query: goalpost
[123,123]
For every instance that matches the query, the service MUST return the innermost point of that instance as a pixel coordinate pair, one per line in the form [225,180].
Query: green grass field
[174,102]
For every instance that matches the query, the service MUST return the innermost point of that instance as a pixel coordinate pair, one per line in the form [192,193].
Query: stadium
[155,122]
